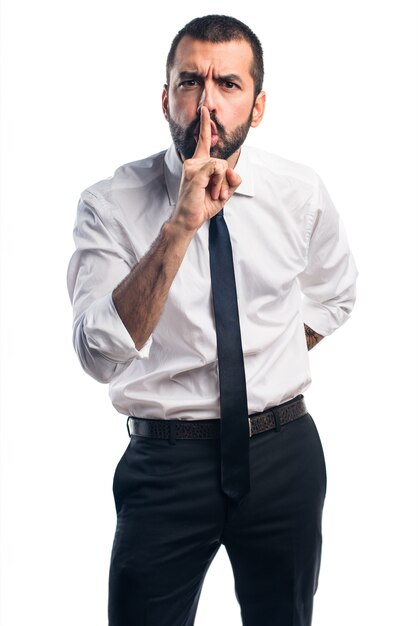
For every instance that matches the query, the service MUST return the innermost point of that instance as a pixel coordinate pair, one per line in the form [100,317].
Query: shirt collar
[173,169]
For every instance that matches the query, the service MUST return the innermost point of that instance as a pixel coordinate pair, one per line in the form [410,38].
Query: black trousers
[172,518]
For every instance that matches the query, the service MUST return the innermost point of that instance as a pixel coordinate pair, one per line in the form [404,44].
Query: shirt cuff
[321,319]
[105,332]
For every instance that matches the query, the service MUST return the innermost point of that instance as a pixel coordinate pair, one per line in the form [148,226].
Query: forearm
[139,299]
[312,338]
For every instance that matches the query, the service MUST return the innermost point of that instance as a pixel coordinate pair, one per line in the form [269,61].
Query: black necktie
[235,471]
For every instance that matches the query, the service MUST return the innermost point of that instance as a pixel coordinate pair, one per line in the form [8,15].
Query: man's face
[216,75]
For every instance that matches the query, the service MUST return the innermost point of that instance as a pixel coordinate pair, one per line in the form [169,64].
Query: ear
[258,109]
[164,101]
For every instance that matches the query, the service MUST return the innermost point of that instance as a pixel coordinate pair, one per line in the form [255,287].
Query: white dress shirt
[292,265]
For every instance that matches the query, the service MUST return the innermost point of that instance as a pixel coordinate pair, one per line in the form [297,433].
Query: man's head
[215,61]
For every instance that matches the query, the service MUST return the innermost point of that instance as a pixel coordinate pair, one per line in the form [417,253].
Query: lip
[213,129]
[213,139]
[214,133]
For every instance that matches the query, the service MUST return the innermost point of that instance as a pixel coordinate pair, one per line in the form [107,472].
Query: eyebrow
[230,78]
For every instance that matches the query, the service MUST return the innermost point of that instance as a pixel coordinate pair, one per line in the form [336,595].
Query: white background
[81,85]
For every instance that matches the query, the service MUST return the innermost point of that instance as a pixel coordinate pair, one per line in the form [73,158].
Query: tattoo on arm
[312,338]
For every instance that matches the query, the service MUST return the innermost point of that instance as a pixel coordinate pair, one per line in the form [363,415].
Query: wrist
[178,231]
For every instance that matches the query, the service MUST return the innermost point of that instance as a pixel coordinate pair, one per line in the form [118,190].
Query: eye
[189,84]
[229,85]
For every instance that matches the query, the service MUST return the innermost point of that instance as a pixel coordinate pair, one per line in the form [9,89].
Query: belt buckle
[250,428]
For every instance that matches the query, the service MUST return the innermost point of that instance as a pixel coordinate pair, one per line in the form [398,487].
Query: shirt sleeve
[100,262]
[328,282]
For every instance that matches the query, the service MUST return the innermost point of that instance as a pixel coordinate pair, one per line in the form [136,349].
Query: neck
[233,159]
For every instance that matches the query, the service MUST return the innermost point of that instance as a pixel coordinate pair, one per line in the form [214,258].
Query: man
[186,287]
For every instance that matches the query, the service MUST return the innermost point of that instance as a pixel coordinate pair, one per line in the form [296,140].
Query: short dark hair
[219,29]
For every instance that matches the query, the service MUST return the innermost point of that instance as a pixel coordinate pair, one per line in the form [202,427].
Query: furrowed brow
[231,78]
[193,75]
[188,75]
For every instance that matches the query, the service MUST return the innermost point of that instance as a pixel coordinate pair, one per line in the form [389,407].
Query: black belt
[272,418]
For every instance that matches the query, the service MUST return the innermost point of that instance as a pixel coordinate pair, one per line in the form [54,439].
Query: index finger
[203,143]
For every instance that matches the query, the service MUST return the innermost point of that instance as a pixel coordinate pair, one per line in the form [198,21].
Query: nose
[207,99]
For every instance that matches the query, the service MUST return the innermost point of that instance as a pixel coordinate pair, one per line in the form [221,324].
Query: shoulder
[274,167]
[127,177]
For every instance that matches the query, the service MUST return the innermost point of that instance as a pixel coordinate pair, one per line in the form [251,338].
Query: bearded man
[202,277]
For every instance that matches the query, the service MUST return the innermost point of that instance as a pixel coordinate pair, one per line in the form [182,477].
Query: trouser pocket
[119,477]
[320,451]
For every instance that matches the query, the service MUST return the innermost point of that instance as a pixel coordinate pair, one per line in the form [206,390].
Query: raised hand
[207,183]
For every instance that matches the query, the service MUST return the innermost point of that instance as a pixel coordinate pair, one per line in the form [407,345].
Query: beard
[227,144]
